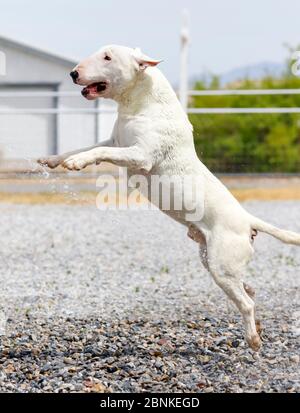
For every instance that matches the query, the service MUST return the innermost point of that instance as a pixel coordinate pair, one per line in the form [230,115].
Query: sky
[225,34]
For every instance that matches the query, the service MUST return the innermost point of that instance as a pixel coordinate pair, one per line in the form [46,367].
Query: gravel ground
[118,302]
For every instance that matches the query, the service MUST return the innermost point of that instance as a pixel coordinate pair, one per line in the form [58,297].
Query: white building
[31,77]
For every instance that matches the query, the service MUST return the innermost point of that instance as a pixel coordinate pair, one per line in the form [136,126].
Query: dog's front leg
[56,160]
[132,157]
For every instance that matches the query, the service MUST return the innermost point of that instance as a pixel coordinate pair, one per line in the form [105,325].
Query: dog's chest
[129,131]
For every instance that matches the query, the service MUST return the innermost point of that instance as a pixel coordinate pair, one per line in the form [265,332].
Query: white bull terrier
[153,136]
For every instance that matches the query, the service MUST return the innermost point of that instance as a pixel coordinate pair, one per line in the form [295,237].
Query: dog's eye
[107,58]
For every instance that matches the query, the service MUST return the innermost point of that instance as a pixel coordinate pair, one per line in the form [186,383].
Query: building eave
[35,51]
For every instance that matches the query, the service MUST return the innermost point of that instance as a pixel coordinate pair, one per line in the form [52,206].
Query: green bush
[249,142]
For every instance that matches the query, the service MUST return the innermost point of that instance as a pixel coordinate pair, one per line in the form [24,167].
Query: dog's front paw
[52,162]
[77,162]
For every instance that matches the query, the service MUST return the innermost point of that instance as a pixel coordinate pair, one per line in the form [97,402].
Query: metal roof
[35,51]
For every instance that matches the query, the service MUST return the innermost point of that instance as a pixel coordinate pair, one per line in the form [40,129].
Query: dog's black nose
[74,75]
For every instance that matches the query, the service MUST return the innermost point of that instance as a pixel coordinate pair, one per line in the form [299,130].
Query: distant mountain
[255,72]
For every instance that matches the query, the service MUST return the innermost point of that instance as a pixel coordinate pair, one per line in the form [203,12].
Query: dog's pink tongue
[92,88]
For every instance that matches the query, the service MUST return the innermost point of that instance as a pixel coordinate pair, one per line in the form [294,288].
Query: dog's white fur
[153,136]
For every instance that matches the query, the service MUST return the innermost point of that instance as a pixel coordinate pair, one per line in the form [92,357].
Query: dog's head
[111,71]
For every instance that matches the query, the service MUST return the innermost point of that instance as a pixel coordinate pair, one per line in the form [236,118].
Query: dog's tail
[287,237]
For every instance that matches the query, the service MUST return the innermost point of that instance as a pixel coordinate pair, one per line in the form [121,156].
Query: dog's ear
[143,60]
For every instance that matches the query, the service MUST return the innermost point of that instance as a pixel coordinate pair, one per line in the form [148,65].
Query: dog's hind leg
[251,292]
[227,258]
[197,235]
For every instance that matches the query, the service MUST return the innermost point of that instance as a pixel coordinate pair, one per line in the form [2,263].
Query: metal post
[184,54]
[54,146]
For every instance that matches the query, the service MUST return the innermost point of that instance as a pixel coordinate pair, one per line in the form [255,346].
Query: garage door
[28,135]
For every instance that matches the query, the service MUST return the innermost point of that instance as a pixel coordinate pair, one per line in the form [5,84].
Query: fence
[234,144]
[253,92]
[102,110]
[98,111]
[247,160]
[36,123]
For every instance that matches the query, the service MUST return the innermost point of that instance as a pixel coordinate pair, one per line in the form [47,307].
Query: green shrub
[249,142]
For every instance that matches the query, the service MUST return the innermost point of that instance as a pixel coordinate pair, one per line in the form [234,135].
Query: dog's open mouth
[92,91]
